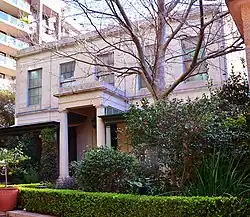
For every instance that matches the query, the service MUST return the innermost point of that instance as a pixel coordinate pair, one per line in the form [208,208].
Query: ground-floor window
[111,136]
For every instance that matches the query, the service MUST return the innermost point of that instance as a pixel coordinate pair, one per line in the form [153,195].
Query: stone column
[100,127]
[64,146]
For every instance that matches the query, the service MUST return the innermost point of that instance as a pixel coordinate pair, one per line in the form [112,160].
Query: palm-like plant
[220,176]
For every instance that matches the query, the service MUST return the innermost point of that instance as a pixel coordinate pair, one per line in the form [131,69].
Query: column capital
[63,111]
[99,106]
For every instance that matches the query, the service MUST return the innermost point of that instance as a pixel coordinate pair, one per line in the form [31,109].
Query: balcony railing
[7,62]
[22,4]
[13,21]
[12,42]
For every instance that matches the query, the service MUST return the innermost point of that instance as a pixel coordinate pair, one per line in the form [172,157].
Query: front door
[72,144]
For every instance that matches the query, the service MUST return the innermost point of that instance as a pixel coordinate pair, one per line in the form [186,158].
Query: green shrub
[69,203]
[48,162]
[219,176]
[104,170]
[67,183]
[178,133]
[150,179]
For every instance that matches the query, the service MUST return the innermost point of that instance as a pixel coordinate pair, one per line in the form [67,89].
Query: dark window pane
[35,87]
[141,81]
[104,73]
[67,70]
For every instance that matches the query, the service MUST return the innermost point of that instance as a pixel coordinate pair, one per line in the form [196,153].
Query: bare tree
[146,31]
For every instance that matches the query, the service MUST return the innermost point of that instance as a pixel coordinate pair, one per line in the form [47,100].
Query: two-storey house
[85,101]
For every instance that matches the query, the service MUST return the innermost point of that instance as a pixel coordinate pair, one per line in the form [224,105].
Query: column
[63,147]
[100,127]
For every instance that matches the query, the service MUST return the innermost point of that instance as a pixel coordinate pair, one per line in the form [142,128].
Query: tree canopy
[7,108]
[152,35]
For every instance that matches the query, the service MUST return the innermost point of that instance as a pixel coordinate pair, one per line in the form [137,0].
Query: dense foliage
[66,183]
[7,109]
[11,159]
[105,170]
[68,203]
[220,176]
[177,135]
[28,171]
[48,161]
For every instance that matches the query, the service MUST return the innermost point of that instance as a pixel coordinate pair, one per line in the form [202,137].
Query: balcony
[80,92]
[12,25]
[79,85]
[7,66]
[15,7]
[11,45]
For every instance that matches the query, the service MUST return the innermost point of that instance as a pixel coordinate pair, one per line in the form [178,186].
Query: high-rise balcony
[7,66]
[15,7]
[12,25]
[11,45]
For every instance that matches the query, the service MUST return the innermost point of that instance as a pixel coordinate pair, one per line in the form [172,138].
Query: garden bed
[73,203]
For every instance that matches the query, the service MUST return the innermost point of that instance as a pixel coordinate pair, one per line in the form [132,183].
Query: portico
[90,104]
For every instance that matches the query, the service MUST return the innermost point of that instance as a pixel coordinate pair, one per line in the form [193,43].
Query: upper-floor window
[103,71]
[67,71]
[141,82]
[35,87]
[149,51]
[46,19]
[189,46]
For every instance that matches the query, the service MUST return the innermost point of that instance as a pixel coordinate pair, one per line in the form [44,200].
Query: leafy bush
[30,175]
[28,172]
[104,170]
[220,176]
[48,162]
[68,203]
[67,183]
[7,108]
[150,179]
[177,134]
[11,161]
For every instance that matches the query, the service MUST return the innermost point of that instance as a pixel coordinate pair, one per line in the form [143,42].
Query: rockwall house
[82,104]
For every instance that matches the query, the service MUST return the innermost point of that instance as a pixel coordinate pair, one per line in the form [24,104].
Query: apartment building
[24,23]
[12,34]
[85,102]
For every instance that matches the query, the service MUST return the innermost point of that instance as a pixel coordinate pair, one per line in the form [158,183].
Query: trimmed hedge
[69,203]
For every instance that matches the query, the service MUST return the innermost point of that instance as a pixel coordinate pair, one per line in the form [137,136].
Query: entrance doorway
[72,144]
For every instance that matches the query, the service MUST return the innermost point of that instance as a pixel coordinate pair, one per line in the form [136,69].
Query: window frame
[38,87]
[198,76]
[70,79]
[141,82]
[149,55]
[106,73]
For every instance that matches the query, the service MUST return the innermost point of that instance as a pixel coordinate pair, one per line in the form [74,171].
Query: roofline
[82,38]
[27,128]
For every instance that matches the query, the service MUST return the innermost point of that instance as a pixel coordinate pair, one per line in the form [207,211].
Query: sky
[136,9]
